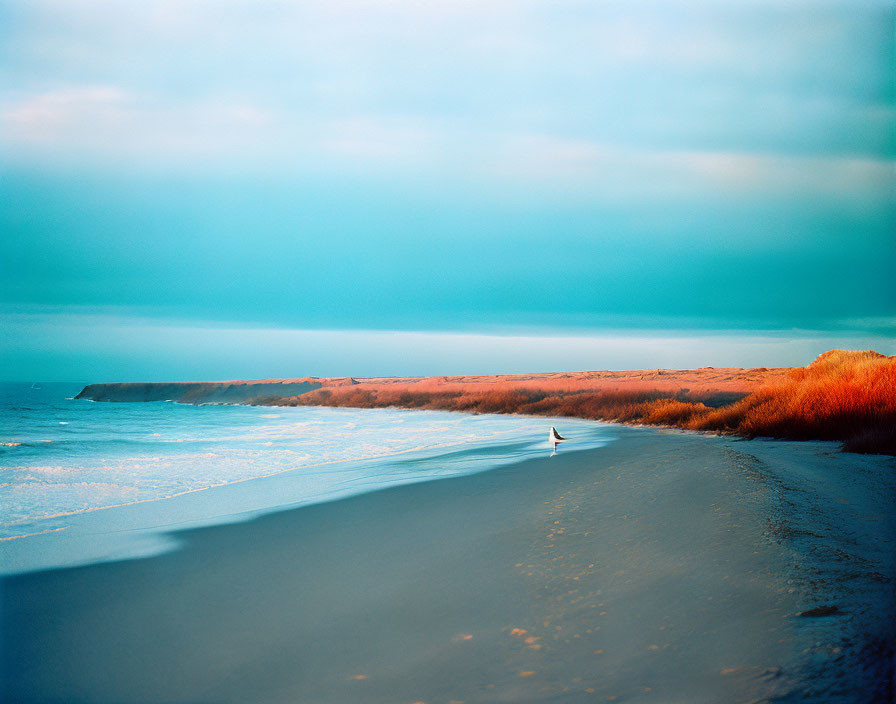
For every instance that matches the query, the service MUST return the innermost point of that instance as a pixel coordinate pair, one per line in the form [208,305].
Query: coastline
[654,567]
[843,395]
[249,462]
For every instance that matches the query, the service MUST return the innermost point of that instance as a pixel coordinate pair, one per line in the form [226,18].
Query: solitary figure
[555,437]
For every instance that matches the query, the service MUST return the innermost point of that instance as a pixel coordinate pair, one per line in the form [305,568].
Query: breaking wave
[70,456]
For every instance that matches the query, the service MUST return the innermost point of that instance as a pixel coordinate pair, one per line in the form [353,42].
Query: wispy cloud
[407,82]
[59,347]
[105,122]
[620,170]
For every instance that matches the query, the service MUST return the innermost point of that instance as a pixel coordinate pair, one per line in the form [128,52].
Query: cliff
[198,392]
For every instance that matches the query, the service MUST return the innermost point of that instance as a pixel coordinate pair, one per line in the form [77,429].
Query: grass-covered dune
[846,396]
[843,395]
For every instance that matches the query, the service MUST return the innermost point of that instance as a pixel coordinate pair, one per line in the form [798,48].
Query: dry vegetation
[844,396]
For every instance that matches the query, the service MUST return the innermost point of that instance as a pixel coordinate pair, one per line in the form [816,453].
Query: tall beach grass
[846,396]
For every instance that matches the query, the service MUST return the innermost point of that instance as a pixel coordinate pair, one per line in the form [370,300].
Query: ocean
[64,461]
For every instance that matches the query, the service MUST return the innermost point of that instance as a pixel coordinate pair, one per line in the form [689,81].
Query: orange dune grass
[843,395]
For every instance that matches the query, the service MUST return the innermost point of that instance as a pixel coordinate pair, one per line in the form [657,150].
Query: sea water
[75,464]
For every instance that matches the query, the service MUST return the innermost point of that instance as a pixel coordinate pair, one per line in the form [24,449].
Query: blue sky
[556,170]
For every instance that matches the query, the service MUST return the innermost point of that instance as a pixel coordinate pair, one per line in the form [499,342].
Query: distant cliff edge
[197,392]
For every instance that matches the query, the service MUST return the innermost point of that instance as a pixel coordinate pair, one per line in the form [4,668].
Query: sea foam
[113,454]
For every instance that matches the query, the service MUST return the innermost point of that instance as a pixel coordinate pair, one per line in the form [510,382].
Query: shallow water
[61,458]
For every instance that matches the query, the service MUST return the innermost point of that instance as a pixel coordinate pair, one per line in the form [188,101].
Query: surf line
[29,535]
[346,460]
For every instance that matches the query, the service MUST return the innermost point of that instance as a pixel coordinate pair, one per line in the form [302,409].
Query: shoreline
[87,538]
[657,539]
[843,395]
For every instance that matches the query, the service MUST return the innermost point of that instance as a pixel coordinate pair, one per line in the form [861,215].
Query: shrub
[846,396]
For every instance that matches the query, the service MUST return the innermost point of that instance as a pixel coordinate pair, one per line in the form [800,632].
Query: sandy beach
[665,567]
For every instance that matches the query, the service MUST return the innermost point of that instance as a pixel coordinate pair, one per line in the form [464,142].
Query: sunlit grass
[846,396]
[843,395]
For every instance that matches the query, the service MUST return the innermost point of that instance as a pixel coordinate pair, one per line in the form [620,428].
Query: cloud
[604,101]
[64,117]
[66,347]
[105,121]
[624,170]
[379,138]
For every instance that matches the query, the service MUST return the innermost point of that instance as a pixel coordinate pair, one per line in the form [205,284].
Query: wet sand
[665,567]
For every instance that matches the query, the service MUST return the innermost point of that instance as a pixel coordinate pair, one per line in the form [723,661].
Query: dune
[845,396]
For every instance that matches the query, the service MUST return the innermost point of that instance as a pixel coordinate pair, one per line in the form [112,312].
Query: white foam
[137,453]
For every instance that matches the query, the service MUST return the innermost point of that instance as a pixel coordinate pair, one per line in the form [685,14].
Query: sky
[249,189]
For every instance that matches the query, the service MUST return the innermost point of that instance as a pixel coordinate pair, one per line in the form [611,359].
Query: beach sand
[665,567]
